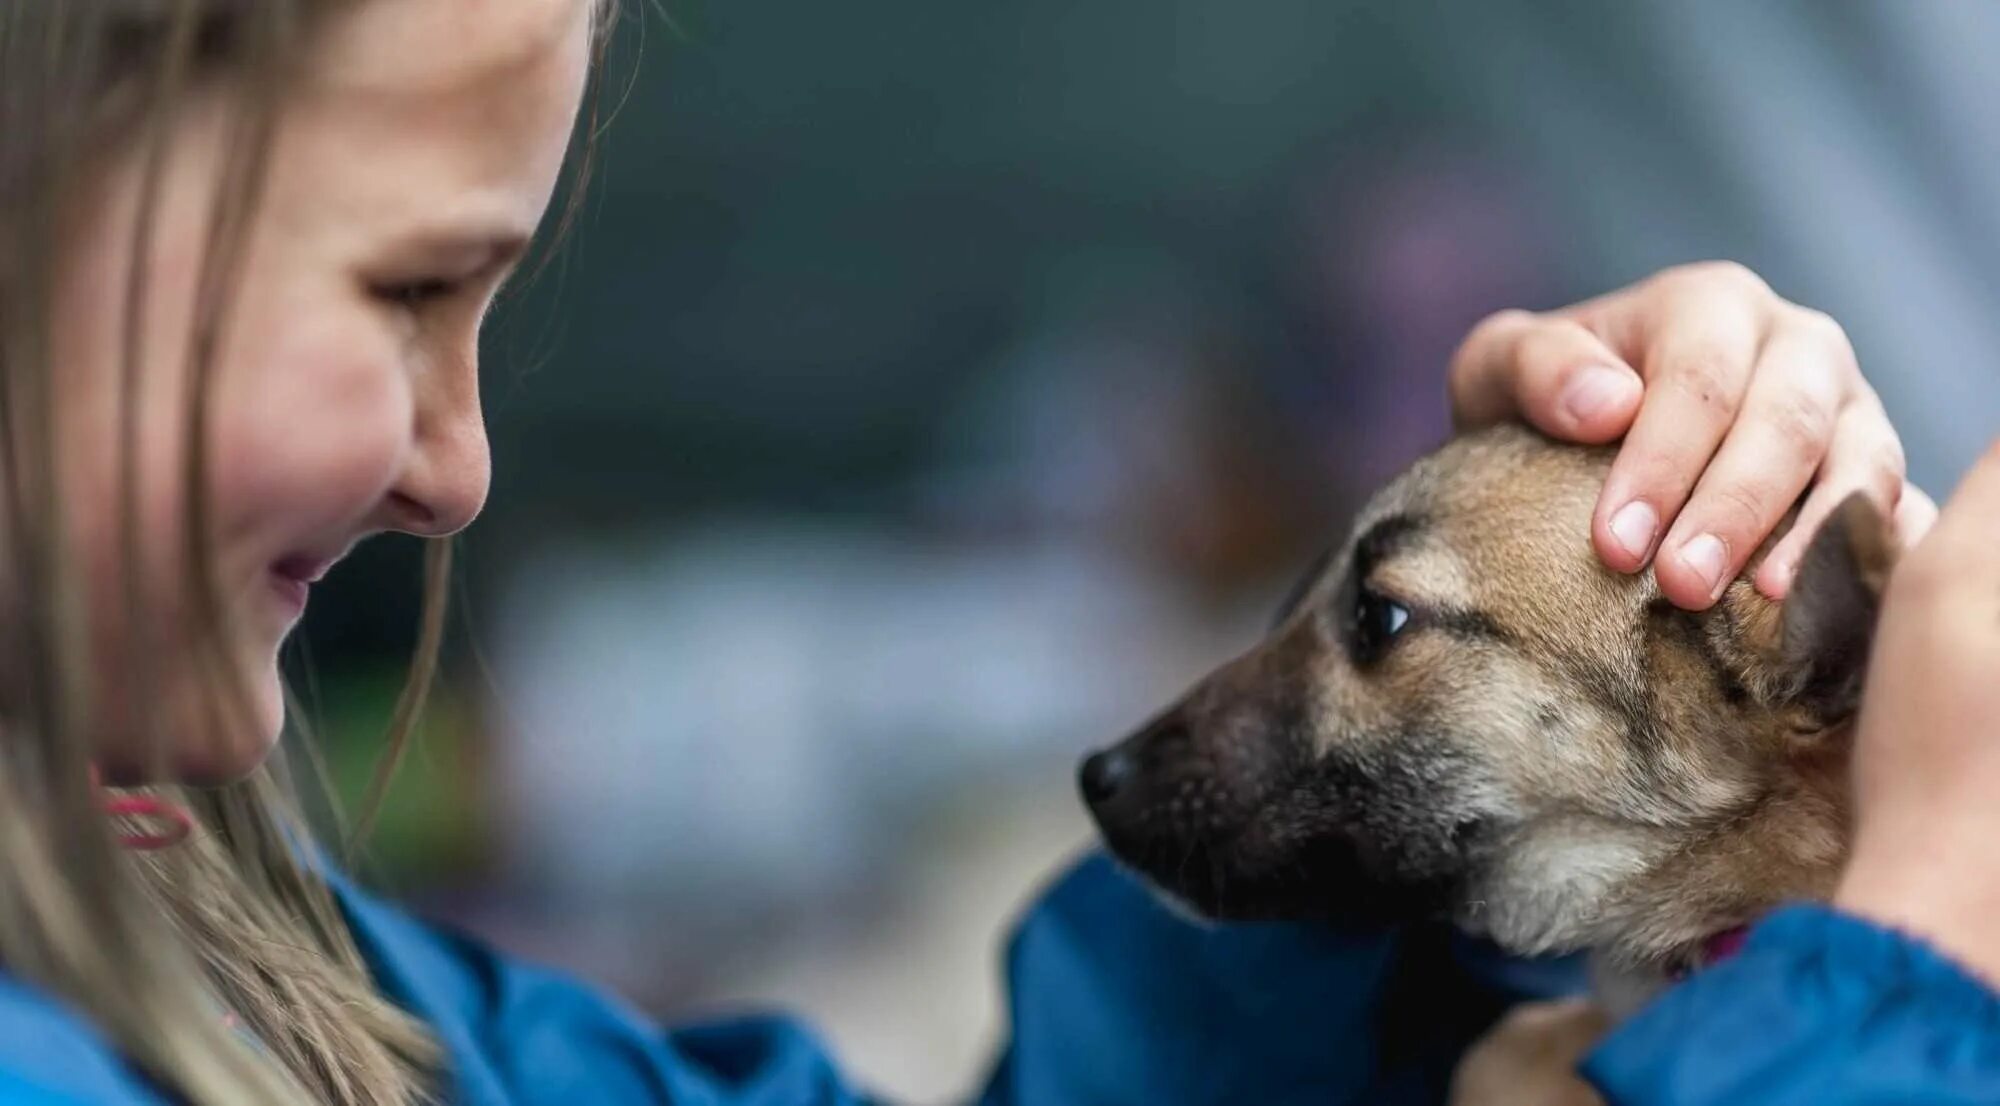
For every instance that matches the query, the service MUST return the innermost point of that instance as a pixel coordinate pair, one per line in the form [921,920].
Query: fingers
[1915,516]
[1864,456]
[1697,367]
[1551,371]
[1739,402]
[1785,430]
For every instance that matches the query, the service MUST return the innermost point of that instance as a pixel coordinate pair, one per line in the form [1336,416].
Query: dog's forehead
[1495,520]
[1506,473]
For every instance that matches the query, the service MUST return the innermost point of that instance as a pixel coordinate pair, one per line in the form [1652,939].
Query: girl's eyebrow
[486,247]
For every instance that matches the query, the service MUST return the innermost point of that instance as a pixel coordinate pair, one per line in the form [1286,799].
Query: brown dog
[1462,713]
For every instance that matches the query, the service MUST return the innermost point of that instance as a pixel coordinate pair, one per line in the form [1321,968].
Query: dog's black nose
[1104,775]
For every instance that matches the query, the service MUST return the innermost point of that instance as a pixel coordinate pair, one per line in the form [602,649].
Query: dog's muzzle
[1104,775]
[1230,810]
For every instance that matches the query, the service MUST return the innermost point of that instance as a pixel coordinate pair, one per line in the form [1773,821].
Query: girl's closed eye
[456,270]
[416,292]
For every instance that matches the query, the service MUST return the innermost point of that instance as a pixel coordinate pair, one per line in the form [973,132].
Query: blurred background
[931,391]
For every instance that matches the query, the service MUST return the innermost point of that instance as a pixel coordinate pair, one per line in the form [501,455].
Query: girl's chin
[211,761]
[196,753]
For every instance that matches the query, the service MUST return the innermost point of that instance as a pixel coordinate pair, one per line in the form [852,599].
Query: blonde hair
[154,947]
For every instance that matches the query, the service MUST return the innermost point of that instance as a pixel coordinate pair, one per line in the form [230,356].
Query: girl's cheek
[323,441]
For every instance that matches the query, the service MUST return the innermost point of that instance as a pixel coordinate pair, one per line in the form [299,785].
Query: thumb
[1551,371]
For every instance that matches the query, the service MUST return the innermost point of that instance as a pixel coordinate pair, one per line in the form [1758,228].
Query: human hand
[1731,400]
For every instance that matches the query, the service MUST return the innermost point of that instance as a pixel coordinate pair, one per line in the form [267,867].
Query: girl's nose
[444,487]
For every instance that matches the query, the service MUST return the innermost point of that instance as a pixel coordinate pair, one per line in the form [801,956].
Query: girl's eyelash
[415,293]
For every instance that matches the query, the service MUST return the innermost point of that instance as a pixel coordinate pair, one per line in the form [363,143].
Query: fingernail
[1593,390]
[1704,556]
[1633,527]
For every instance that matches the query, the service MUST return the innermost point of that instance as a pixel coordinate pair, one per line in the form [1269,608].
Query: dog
[1462,714]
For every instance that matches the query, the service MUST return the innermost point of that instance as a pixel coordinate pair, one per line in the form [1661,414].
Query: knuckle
[1880,469]
[1503,322]
[1723,275]
[1803,426]
[1885,492]
[1890,468]
[1741,508]
[1824,333]
[1496,328]
[1553,343]
[1659,476]
[1703,374]
[1882,493]
[1822,328]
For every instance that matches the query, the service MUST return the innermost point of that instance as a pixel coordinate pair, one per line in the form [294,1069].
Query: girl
[245,247]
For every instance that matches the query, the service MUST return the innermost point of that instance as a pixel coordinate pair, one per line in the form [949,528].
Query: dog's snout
[1104,775]
[1124,772]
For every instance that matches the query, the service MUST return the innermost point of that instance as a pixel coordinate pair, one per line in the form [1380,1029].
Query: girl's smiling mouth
[293,576]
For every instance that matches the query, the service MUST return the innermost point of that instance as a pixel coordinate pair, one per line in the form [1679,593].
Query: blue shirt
[1115,1001]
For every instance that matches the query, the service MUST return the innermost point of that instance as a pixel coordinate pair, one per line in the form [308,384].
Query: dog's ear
[1828,617]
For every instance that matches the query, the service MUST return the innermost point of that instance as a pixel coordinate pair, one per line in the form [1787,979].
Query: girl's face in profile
[411,162]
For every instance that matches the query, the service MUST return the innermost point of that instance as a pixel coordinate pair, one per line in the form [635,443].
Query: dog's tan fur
[1583,765]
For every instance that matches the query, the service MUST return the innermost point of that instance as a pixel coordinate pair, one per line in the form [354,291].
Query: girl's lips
[292,579]
[302,568]
[291,591]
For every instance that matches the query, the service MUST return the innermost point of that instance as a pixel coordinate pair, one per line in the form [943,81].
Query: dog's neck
[1621,987]
[1787,846]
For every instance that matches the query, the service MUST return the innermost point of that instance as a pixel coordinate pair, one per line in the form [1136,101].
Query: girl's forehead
[463,105]
[443,47]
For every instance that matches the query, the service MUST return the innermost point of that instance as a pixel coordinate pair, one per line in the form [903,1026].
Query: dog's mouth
[1166,813]
[1287,856]
[1324,883]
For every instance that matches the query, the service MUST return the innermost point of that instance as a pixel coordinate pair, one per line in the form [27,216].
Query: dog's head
[1461,713]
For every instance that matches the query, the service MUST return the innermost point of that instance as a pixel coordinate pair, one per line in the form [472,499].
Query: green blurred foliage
[430,826]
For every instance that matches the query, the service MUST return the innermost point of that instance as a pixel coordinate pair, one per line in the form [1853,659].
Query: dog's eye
[1377,621]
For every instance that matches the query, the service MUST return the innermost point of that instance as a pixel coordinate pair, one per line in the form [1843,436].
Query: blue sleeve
[518,1035]
[1818,1008]
[51,1057]
[1114,1000]
[1117,1001]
